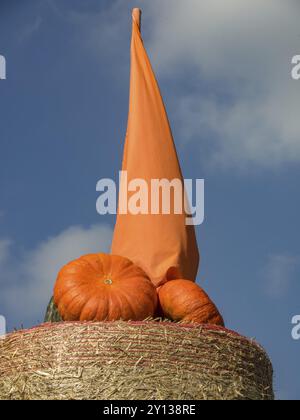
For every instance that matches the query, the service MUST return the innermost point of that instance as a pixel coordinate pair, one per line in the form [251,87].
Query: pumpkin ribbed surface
[132,360]
[185,301]
[98,287]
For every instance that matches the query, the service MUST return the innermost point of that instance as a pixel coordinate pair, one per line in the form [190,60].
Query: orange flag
[162,244]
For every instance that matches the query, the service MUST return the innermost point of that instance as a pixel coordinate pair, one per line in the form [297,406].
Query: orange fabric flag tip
[162,244]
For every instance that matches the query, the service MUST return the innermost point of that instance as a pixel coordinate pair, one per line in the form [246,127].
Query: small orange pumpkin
[183,300]
[100,287]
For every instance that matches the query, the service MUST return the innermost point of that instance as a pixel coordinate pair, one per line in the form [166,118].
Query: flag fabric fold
[162,244]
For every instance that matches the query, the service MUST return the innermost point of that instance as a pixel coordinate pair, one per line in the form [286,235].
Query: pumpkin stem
[108,281]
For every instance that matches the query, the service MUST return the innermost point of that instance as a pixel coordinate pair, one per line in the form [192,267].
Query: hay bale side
[134,361]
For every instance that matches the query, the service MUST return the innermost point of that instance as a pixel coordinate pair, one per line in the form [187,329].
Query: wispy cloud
[103,32]
[5,245]
[244,105]
[241,106]
[30,29]
[27,282]
[279,274]
[54,7]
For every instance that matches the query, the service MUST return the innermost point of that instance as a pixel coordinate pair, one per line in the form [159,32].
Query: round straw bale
[132,360]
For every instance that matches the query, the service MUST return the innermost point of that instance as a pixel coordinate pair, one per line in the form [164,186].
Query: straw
[132,361]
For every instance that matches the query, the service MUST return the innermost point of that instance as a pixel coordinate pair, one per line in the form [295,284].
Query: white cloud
[279,274]
[241,106]
[27,282]
[5,245]
[240,53]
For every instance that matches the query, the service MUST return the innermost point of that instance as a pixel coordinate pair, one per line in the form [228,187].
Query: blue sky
[224,72]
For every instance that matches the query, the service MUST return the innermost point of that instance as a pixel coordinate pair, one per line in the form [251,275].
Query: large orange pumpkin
[183,300]
[99,287]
